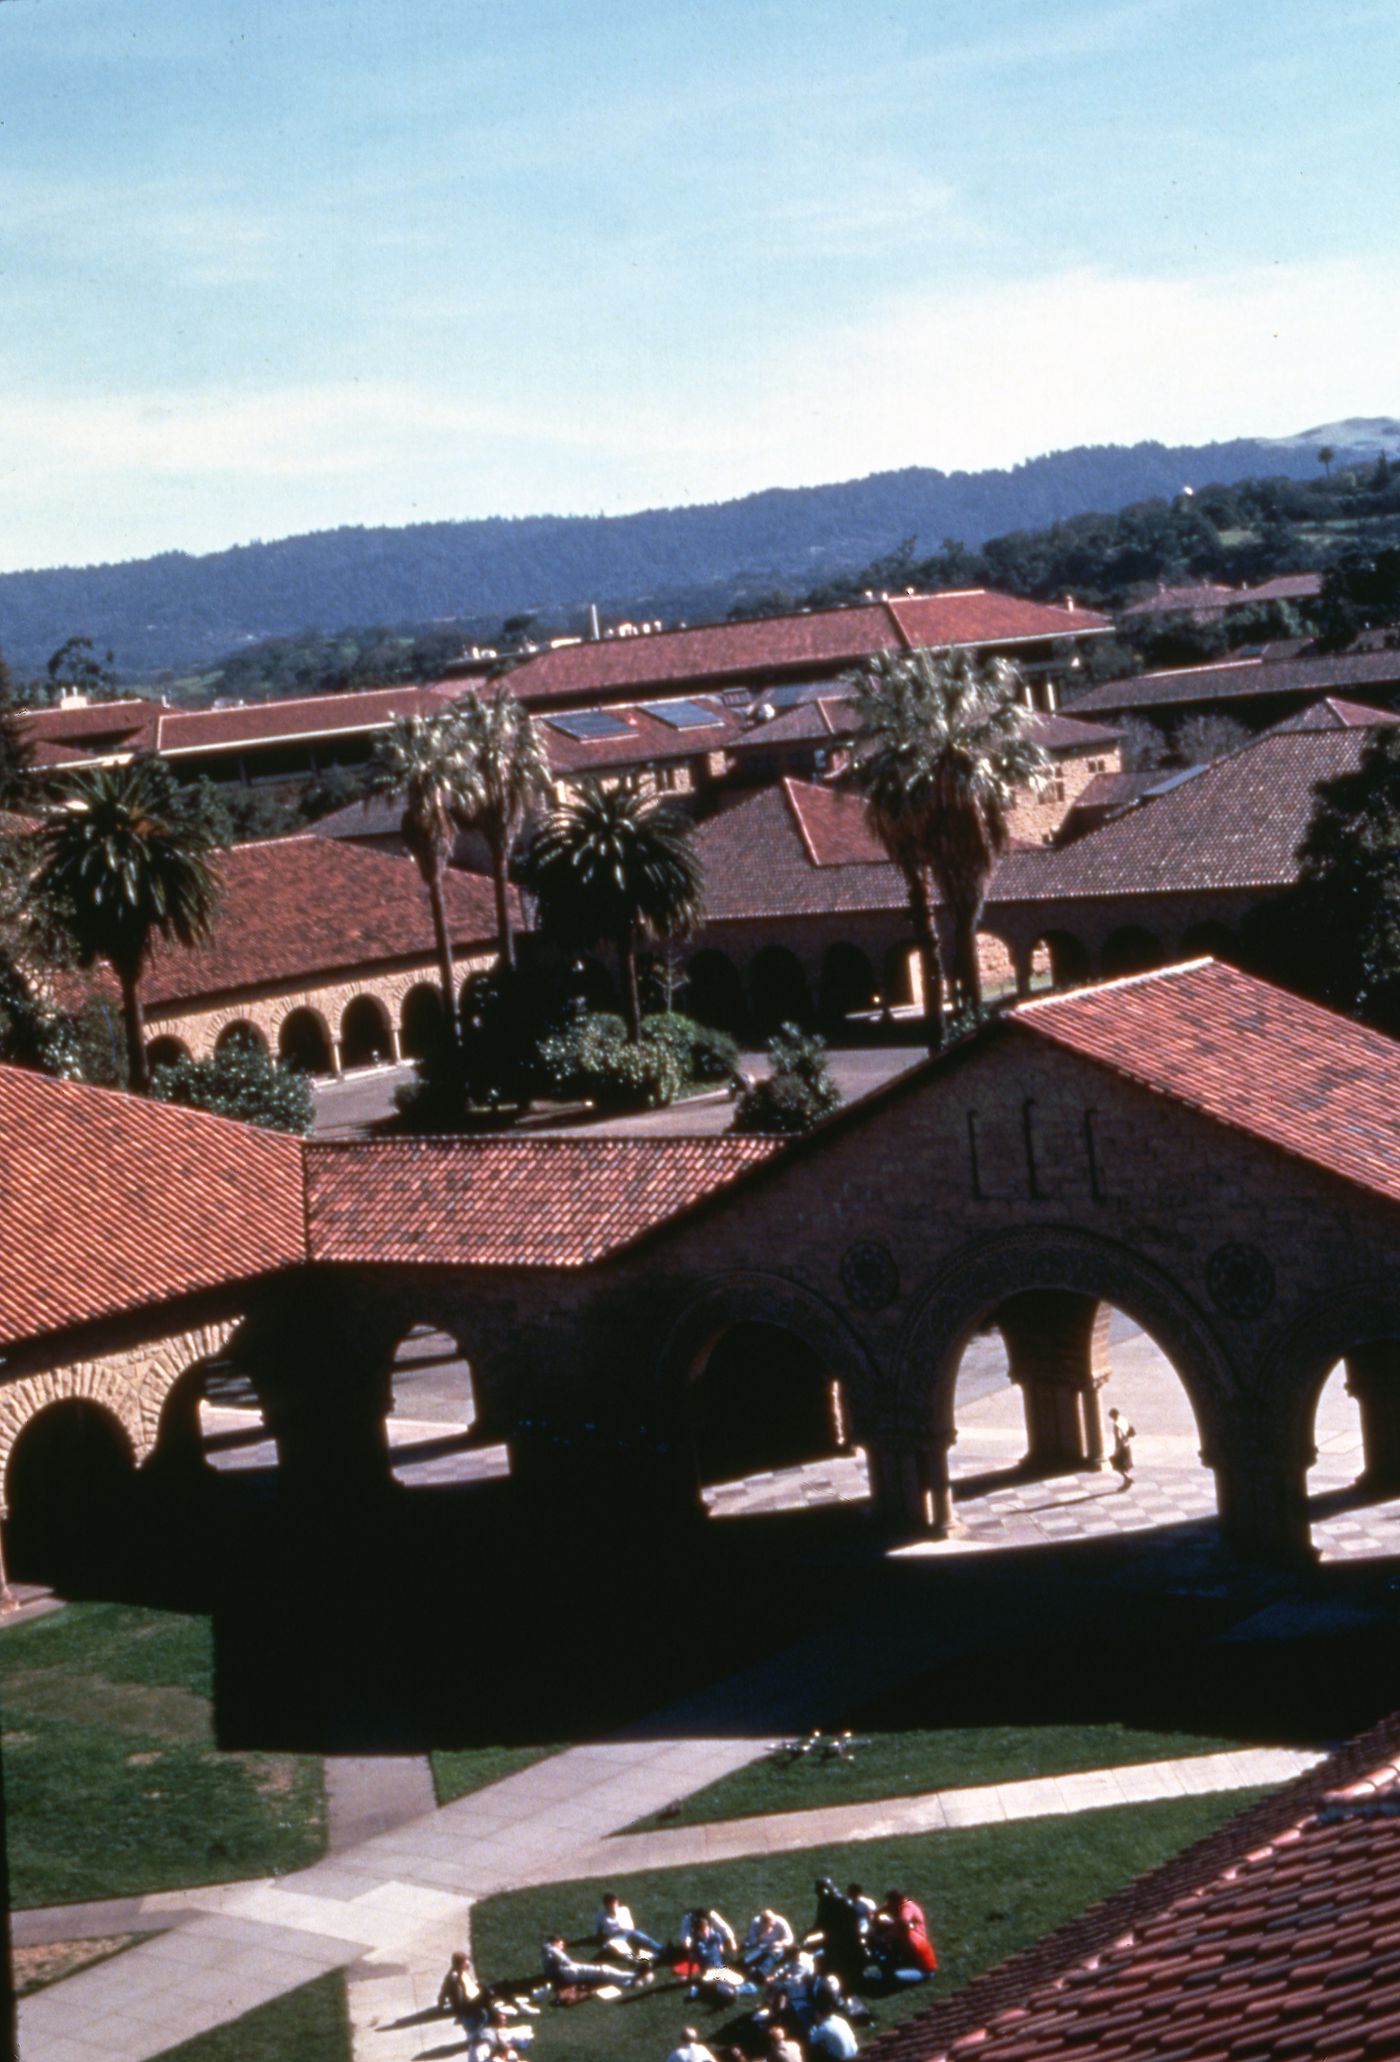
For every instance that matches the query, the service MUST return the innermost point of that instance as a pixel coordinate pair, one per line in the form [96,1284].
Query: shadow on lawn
[367,1630]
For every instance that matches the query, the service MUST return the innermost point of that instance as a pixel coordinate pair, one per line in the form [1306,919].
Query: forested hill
[176,610]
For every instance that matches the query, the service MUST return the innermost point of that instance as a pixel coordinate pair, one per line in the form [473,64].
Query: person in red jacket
[900,1936]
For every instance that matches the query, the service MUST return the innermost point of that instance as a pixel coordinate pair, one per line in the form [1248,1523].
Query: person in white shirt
[691,2049]
[833,2037]
[767,1941]
[614,1922]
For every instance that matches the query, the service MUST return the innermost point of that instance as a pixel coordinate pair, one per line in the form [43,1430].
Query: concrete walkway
[391,1909]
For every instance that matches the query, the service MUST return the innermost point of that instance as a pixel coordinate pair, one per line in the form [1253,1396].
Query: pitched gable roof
[109,1203]
[793,849]
[510,1202]
[293,908]
[1246,1054]
[1236,822]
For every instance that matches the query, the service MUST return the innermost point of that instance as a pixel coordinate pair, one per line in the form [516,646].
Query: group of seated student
[804,1990]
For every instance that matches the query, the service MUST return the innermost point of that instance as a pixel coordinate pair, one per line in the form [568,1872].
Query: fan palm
[611,864]
[127,860]
[507,770]
[420,764]
[941,748]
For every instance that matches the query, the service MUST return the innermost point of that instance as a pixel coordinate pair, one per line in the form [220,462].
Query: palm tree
[507,770]
[420,764]
[941,749]
[127,861]
[611,864]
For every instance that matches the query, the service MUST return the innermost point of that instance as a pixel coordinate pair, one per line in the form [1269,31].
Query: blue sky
[274,265]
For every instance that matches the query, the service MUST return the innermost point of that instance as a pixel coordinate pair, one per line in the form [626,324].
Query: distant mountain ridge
[176,610]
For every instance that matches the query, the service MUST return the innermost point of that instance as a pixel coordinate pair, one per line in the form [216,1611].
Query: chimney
[594,632]
[1069,603]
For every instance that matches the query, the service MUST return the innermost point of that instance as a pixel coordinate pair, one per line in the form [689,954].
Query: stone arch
[1069,958]
[848,982]
[241,1032]
[1131,949]
[915,1415]
[715,992]
[366,1034]
[732,1302]
[165,1051]
[1348,1323]
[70,1477]
[304,1041]
[422,1021]
[778,990]
[133,1385]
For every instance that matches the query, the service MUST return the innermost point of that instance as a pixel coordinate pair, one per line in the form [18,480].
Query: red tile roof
[1248,1055]
[1333,714]
[759,862]
[64,736]
[1234,823]
[1206,598]
[298,908]
[310,716]
[1305,675]
[1274,1936]
[539,1202]
[826,640]
[831,823]
[1285,587]
[111,1203]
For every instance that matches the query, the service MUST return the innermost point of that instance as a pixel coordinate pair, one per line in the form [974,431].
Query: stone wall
[132,1382]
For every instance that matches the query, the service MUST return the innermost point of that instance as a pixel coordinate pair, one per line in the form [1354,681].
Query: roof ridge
[1072,995]
[496,1139]
[789,782]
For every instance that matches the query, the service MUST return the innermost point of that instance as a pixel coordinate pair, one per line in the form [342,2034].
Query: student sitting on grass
[899,1938]
[767,1941]
[614,1926]
[564,1973]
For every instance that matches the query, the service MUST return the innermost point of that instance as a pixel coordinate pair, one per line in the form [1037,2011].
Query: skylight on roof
[684,715]
[590,726]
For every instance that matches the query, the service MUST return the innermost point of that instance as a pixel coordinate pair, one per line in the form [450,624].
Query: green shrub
[592,1059]
[701,1053]
[242,1082]
[797,1094]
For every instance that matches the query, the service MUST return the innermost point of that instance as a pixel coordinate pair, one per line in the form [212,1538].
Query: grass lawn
[902,1764]
[114,1783]
[457,1770]
[987,1890]
[307,2025]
